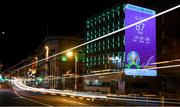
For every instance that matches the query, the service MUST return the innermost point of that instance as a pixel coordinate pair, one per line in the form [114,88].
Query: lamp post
[36,60]
[75,76]
[47,65]
[70,54]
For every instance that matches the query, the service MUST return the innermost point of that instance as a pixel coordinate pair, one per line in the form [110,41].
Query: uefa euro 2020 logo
[133,60]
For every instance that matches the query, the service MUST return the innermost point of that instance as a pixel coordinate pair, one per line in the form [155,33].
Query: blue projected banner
[140,42]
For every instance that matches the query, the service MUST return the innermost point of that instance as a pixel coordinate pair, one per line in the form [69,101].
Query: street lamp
[47,65]
[47,52]
[36,58]
[70,54]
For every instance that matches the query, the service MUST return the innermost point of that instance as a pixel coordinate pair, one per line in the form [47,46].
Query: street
[17,97]
[9,98]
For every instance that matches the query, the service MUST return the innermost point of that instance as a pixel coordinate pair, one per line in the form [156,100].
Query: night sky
[25,23]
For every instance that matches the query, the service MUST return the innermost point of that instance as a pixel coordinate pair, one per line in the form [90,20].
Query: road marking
[88,99]
[74,102]
[44,93]
[81,98]
[53,94]
[63,95]
[72,96]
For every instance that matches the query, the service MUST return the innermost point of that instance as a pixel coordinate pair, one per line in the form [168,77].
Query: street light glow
[36,58]
[46,47]
[47,52]
[69,54]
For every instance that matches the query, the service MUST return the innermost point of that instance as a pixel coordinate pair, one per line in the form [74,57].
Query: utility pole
[75,58]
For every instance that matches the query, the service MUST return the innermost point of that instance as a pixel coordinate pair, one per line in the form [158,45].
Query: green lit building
[105,58]
[105,55]
[99,54]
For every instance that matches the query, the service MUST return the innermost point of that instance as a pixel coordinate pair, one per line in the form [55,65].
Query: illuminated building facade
[119,55]
[107,54]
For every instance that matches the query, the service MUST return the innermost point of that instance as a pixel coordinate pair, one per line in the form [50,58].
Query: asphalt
[16,97]
[9,98]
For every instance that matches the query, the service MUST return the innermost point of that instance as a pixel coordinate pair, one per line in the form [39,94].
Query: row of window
[103,17]
[100,31]
[109,43]
[115,21]
[115,45]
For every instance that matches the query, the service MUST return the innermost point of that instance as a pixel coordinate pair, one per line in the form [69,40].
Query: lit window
[90,59]
[90,63]
[99,58]
[118,43]
[103,47]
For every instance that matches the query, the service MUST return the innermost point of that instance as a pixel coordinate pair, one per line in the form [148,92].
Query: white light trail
[118,72]
[18,83]
[144,100]
[101,37]
[107,73]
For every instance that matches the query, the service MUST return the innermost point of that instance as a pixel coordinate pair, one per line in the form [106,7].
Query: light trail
[18,83]
[106,73]
[109,73]
[106,35]
[145,100]
[165,62]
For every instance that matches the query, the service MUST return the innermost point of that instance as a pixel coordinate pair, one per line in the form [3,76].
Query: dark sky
[25,22]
